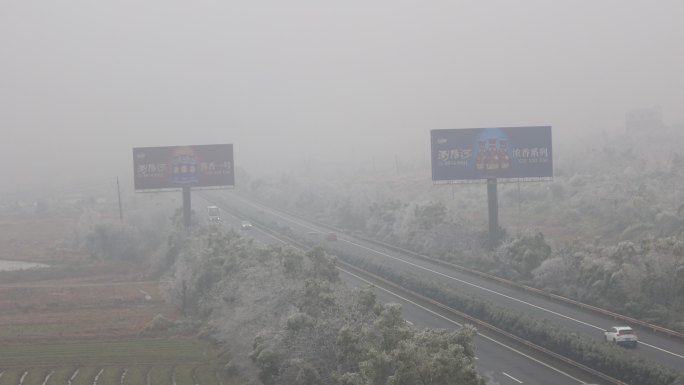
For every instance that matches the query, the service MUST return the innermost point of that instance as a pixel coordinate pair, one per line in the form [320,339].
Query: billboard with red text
[515,153]
[157,168]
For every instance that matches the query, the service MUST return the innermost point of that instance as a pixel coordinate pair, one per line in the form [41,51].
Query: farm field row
[183,374]
[181,361]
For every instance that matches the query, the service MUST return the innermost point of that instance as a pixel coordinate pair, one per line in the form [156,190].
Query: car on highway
[246,225]
[621,335]
[331,237]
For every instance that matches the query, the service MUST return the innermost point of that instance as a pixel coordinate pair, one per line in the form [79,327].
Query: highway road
[663,349]
[501,363]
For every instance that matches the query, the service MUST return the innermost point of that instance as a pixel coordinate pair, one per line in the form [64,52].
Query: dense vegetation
[608,231]
[301,324]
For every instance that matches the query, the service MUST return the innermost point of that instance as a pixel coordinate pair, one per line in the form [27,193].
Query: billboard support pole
[493,204]
[187,209]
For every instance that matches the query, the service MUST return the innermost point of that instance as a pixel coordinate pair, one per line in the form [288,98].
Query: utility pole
[118,192]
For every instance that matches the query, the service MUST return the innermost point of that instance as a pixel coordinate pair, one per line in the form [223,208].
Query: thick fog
[325,84]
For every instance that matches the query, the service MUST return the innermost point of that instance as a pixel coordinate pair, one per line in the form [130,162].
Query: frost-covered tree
[358,341]
[519,257]
[310,328]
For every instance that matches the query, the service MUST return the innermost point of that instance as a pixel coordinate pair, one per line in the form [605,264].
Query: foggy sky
[326,83]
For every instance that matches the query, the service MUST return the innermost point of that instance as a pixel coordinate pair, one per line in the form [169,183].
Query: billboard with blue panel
[174,167]
[485,153]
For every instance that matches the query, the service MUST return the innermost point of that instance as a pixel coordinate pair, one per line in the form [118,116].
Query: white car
[246,225]
[621,335]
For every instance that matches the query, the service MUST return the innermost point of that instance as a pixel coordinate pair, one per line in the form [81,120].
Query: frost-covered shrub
[119,242]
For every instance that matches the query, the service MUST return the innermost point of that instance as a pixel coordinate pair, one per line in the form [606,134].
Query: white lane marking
[470,284]
[454,278]
[661,349]
[458,324]
[512,378]
[498,293]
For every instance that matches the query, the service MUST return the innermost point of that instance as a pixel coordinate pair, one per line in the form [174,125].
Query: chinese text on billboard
[485,153]
[183,166]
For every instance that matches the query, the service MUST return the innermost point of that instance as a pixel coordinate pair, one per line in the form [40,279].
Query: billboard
[512,153]
[157,168]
